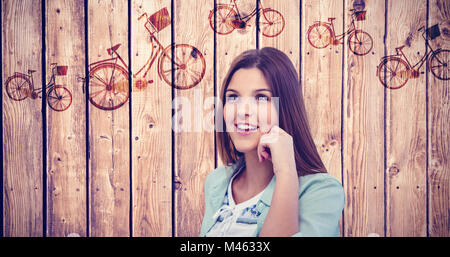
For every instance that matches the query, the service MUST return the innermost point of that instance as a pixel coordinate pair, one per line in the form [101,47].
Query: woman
[274,183]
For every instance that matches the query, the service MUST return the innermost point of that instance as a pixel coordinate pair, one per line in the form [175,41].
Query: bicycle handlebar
[53,63]
[423,33]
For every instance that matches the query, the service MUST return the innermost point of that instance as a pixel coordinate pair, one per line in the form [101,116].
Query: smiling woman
[274,182]
[260,75]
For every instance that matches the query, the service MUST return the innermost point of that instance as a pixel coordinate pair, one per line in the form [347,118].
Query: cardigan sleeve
[320,208]
[207,206]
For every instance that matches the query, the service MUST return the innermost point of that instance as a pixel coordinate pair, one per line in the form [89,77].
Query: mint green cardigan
[320,201]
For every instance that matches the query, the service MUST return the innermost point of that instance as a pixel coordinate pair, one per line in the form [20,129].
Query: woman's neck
[256,175]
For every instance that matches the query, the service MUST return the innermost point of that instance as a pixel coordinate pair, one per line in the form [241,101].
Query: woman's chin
[245,149]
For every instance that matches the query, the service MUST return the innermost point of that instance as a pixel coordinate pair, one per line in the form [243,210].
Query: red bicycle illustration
[108,80]
[20,86]
[395,70]
[229,18]
[322,34]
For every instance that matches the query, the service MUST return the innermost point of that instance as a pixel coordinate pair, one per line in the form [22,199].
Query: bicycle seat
[31,71]
[331,19]
[113,49]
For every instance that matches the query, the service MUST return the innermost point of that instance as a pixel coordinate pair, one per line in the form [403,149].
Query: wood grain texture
[438,130]
[288,40]
[66,130]
[322,84]
[151,132]
[322,80]
[363,128]
[22,151]
[194,144]
[109,163]
[230,46]
[406,127]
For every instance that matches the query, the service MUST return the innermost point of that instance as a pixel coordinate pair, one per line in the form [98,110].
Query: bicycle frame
[422,60]
[148,64]
[340,36]
[49,85]
[249,16]
[153,55]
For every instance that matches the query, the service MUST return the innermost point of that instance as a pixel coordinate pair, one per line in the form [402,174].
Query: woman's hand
[278,146]
[282,219]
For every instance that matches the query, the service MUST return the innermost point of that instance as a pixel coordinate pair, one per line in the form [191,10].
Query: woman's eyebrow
[229,89]
[257,90]
[263,89]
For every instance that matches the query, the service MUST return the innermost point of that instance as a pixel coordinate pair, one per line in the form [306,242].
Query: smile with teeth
[245,127]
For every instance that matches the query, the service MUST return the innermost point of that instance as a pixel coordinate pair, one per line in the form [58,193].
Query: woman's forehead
[248,80]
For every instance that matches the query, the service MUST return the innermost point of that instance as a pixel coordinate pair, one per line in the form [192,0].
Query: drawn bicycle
[229,18]
[108,80]
[395,70]
[322,34]
[20,86]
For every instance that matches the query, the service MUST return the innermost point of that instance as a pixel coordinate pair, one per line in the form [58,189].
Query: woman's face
[249,110]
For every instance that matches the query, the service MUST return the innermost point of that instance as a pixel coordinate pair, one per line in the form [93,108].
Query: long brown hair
[282,77]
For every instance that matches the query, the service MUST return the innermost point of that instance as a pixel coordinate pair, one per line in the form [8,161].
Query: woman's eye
[231,98]
[262,98]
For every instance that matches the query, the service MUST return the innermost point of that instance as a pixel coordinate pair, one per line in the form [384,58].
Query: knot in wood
[177,184]
[393,170]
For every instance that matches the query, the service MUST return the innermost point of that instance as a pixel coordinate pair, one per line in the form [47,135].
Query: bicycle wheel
[439,64]
[360,42]
[271,23]
[59,98]
[224,17]
[18,87]
[108,86]
[393,73]
[189,66]
[319,35]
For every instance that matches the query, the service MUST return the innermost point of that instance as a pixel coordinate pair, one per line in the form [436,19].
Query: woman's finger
[260,148]
[266,154]
[263,148]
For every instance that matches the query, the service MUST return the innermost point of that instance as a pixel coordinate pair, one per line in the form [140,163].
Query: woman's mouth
[245,128]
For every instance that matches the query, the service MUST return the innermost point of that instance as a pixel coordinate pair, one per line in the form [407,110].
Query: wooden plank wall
[193,142]
[438,135]
[363,114]
[151,133]
[406,140]
[23,171]
[66,131]
[108,131]
[125,172]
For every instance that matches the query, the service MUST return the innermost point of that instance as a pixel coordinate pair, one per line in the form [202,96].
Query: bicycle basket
[160,19]
[360,16]
[433,32]
[61,70]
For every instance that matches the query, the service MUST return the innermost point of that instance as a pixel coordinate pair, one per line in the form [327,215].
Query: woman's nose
[246,107]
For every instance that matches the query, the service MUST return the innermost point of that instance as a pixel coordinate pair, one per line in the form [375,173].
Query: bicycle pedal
[150,81]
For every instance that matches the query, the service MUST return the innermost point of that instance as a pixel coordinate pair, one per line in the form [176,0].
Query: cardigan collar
[221,187]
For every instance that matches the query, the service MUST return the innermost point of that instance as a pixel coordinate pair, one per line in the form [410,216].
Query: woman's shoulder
[216,173]
[218,176]
[320,182]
